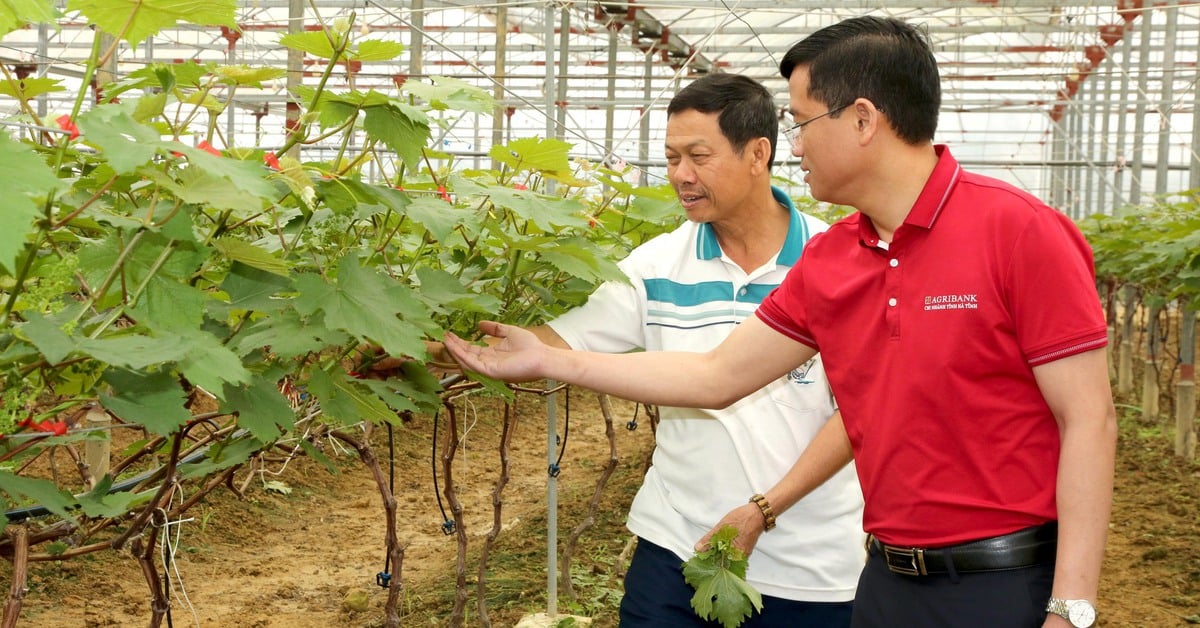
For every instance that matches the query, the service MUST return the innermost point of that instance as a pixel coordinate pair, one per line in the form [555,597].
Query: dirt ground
[295,554]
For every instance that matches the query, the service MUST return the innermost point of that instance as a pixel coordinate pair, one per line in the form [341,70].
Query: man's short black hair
[882,59]
[746,109]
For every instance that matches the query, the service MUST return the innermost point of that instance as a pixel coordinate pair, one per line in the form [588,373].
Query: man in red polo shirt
[961,331]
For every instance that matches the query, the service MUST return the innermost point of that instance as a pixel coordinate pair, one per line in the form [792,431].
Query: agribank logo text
[951,302]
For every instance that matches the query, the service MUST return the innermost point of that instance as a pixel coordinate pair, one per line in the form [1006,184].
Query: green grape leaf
[342,400]
[169,305]
[253,256]
[250,287]
[147,17]
[245,175]
[48,337]
[210,364]
[133,351]
[451,93]
[287,335]
[43,492]
[533,153]
[28,88]
[247,75]
[402,128]
[376,50]
[719,576]
[415,390]
[261,408]
[365,304]
[202,188]
[154,400]
[547,212]
[222,456]
[15,14]
[315,43]
[100,503]
[580,258]
[444,292]
[24,177]
[125,142]
[436,215]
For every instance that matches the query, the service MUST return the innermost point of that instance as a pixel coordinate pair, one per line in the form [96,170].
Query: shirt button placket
[892,284]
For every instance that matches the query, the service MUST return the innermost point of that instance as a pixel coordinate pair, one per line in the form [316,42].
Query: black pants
[1014,598]
[657,596]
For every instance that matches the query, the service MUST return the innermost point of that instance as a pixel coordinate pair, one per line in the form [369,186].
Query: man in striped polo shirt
[688,290]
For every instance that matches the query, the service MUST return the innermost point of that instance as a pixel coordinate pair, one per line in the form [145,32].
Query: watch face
[1081,614]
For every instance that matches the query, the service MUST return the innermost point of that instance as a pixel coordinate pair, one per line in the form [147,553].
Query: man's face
[819,144]
[709,176]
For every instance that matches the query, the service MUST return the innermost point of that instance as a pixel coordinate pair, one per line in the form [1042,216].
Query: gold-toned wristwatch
[767,513]
[1080,613]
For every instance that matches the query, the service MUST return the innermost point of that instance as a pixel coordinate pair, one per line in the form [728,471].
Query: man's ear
[759,150]
[869,119]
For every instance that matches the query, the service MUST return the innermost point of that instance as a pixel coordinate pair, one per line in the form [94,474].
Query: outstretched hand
[747,519]
[517,357]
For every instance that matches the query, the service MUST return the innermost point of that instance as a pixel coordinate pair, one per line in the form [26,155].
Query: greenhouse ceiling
[1029,86]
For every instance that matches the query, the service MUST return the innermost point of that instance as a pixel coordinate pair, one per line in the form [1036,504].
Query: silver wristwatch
[1080,613]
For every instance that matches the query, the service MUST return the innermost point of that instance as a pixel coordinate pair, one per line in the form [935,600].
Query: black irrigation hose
[29,512]
[554,470]
[387,555]
[384,578]
[447,522]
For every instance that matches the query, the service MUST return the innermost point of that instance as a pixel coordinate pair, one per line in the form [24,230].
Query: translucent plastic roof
[1027,85]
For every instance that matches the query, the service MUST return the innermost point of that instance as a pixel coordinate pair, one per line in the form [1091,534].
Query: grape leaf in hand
[719,576]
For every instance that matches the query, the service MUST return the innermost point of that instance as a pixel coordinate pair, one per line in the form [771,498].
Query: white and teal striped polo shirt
[684,295]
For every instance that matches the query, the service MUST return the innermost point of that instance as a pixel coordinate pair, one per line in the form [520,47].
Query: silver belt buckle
[908,562]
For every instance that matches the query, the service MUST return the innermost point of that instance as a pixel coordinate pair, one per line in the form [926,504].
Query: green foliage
[719,576]
[145,265]
[136,22]
[1155,248]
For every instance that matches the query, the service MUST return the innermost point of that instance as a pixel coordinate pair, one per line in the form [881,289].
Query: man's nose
[683,172]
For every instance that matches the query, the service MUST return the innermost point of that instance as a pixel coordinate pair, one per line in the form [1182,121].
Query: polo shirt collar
[707,246]
[937,190]
[929,203]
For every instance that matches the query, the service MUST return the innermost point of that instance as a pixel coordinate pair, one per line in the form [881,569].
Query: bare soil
[277,559]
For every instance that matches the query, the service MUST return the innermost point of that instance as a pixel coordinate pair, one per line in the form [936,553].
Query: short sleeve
[612,320]
[1052,288]
[784,309]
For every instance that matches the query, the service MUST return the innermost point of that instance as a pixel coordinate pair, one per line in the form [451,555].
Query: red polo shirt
[929,344]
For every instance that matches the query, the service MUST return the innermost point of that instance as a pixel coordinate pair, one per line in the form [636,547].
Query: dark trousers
[657,596]
[1015,598]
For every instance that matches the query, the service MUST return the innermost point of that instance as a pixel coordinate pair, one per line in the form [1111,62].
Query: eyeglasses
[796,131]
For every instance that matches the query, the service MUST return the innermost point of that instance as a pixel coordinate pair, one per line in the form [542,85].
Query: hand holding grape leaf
[719,576]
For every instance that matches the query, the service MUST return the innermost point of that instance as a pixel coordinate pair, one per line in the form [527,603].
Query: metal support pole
[1105,134]
[564,68]
[551,399]
[498,116]
[609,111]
[1139,116]
[1168,101]
[416,44]
[644,129]
[1074,119]
[43,64]
[1118,201]
[1092,105]
[1058,154]
[1185,389]
[295,74]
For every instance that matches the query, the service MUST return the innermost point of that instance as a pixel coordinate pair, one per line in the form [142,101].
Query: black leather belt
[1023,548]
